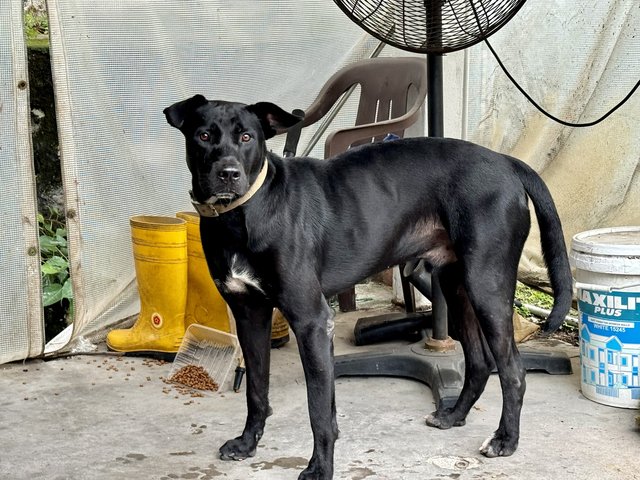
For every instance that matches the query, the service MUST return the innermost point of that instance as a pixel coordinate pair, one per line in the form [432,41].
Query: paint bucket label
[610,346]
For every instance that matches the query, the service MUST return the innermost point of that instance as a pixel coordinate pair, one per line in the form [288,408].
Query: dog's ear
[274,120]
[177,112]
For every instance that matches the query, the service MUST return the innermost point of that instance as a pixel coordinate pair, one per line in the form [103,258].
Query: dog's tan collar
[216,209]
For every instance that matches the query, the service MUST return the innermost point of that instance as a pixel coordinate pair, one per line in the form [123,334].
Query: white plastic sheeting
[117,64]
[577,58]
[21,327]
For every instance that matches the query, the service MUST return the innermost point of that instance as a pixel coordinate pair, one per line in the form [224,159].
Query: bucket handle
[606,288]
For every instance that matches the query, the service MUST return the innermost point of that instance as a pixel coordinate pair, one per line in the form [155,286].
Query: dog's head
[226,143]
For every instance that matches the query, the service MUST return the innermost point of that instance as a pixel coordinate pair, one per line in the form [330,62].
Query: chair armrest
[293,135]
[325,100]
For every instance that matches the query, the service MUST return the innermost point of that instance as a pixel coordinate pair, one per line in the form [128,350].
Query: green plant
[54,254]
[532,296]
[535,298]
[36,23]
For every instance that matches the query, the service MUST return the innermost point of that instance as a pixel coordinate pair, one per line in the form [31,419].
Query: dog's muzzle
[214,208]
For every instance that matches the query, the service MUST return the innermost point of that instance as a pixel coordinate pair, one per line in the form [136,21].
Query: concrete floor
[107,417]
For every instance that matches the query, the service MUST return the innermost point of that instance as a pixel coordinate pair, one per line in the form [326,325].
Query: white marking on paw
[241,277]
[485,445]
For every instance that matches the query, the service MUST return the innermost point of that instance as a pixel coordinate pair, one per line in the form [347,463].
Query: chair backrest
[392,92]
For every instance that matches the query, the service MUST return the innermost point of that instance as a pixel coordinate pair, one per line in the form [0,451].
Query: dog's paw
[444,419]
[498,445]
[313,474]
[317,470]
[237,449]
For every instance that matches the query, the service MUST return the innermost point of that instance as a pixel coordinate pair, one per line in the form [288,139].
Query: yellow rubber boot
[279,329]
[160,255]
[205,305]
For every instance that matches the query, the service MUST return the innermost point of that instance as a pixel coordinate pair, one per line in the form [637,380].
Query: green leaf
[48,280]
[50,244]
[54,265]
[54,212]
[55,292]
[61,241]
[47,244]
[67,291]
[62,276]
[51,294]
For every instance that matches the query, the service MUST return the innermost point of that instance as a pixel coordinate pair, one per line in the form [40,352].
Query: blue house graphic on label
[610,343]
[609,365]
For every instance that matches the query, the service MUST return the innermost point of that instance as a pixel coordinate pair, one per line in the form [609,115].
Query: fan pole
[435,102]
[435,126]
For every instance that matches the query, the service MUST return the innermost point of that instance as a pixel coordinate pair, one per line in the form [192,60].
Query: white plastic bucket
[607,273]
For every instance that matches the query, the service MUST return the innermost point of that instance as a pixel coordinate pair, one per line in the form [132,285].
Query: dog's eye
[204,136]
[245,137]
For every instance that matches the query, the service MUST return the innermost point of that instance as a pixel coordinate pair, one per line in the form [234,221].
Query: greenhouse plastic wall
[577,59]
[21,326]
[117,64]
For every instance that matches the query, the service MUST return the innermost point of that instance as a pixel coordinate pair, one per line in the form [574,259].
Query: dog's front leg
[309,319]
[253,322]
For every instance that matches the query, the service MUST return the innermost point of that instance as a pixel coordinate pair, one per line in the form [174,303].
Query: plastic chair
[392,93]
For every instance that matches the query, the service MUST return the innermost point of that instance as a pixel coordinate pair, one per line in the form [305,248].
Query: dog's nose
[229,174]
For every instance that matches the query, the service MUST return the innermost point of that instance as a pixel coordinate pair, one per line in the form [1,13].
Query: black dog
[288,233]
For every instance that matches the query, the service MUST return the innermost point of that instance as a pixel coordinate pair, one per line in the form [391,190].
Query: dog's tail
[554,248]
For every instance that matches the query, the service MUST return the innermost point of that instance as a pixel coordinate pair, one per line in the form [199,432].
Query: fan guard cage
[430,26]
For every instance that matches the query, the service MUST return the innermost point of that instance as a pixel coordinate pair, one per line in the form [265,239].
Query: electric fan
[433,27]
[430,26]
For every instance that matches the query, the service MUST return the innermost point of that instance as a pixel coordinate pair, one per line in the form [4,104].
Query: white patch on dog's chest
[241,277]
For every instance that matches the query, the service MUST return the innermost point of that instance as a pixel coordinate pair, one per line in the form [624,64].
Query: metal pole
[435,94]
[435,119]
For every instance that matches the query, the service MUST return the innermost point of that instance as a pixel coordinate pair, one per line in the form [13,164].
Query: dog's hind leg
[491,288]
[253,323]
[309,316]
[477,356]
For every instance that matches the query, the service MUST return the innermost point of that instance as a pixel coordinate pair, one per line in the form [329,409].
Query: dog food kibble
[194,377]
